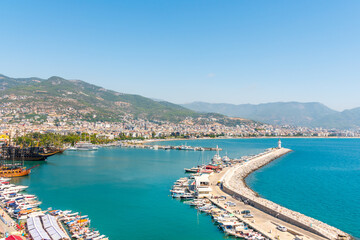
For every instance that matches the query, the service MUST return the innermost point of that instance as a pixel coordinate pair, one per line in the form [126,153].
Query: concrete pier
[266,213]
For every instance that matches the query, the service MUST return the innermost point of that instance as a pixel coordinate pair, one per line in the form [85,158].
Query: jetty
[219,189]
[268,215]
[167,147]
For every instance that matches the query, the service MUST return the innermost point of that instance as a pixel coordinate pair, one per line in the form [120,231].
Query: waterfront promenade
[267,215]
[7,224]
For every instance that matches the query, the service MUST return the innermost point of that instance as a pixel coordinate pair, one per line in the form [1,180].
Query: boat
[216,159]
[26,153]
[192,170]
[84,146]
[14,172]
[187,196]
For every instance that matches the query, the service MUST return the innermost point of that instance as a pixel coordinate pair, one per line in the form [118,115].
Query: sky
[239,51]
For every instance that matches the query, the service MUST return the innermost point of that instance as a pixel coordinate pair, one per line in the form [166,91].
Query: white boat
[100,237]
[72,214]
[85,146]
[187,196]
[225,158]
[25,206]
[20,188]
[5,186]
[216,158]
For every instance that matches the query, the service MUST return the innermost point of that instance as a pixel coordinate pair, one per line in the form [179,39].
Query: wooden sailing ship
[11,167]
[10,172]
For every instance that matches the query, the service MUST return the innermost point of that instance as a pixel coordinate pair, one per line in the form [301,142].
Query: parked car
[230,204]
[281,228]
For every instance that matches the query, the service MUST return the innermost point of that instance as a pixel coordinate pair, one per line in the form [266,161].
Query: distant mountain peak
[308,114]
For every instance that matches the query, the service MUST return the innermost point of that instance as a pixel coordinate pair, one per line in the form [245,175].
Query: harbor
[227,194]
[22,217]
[140,144]
[69,181]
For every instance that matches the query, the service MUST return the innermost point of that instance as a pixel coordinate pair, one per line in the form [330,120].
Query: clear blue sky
[191,50]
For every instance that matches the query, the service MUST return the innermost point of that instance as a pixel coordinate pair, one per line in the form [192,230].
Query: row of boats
[78,225]
[181,188]
[224,219]
[195,190]
[227,221]
[21,206]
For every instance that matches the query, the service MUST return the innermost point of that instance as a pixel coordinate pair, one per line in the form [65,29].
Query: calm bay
[125,192]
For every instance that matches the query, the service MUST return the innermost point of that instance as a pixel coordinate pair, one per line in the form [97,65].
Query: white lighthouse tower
[279,144]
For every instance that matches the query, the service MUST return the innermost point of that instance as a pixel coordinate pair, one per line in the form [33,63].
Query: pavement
[7,224]
[262,222]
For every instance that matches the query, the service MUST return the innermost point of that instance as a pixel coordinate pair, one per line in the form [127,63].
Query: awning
[14,237]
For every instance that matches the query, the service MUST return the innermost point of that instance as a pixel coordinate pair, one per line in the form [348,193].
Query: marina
[139,144]
[226,182]
[30,221]
[124,172]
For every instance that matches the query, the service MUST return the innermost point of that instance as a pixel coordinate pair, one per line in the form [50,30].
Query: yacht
[84,146]
[216,159]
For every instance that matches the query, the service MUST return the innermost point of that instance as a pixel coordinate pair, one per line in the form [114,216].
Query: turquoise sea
[125,192]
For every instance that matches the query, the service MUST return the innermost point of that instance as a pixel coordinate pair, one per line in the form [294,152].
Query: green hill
[83,101]
[91,102]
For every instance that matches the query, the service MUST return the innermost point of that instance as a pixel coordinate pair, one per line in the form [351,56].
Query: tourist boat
[187,196]
[10,172]
[192,170]
[5,186]
[18,153]
[84,146]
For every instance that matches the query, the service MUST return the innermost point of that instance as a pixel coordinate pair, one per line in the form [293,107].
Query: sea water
[126,194]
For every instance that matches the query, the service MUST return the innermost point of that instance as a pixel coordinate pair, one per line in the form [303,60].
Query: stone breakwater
[234,184]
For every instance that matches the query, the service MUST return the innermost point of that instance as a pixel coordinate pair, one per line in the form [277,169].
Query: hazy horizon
[233,52]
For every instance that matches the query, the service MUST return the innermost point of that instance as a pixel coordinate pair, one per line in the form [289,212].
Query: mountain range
[312,114]
[83,101]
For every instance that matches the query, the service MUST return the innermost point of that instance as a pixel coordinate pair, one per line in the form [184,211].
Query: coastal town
[15,120]
[179,120]
[217,189]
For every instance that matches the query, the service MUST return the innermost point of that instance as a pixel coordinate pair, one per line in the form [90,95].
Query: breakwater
[168,147]
[233,183]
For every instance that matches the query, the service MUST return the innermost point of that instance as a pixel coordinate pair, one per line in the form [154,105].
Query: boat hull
[14,173]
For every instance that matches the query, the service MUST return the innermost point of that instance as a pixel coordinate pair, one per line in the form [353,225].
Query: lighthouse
[279,143]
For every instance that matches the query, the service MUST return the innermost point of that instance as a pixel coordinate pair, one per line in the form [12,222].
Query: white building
[202,186]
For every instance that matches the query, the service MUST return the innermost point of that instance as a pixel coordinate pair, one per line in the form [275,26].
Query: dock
[230,182]
[7,224]
[168,147]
